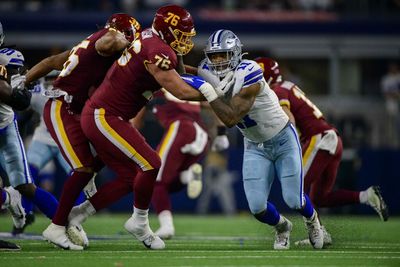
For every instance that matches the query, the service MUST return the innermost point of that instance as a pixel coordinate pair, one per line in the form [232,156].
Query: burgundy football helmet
[175,26]
[270,67]
[125,24]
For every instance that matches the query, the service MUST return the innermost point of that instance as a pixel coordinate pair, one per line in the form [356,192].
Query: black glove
[20,99]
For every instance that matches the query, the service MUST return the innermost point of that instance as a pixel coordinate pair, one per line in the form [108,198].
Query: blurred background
[345,55]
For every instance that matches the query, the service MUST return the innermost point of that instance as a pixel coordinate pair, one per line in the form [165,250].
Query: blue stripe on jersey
[205,67]
[252,75]
[253,80]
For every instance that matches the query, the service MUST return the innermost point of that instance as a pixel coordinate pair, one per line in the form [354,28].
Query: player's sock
[140,215]
[270,216]
[160,199]
[27,204]
[34,172]
[3,197]
[71,190]
[143,188]
[308,209]
[46,202]
[111,192]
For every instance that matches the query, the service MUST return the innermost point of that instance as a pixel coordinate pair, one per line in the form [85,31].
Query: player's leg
[19,175]
[124,150]
[288,165]
[258,175]
[65,129]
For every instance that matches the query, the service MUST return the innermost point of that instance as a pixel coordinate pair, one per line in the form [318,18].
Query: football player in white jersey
[12,152]
[241,97]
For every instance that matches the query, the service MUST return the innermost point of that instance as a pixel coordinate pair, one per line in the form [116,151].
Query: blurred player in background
[12,157]
[83,69]
[183,144]
[271,145]
[321,144]
[145,67]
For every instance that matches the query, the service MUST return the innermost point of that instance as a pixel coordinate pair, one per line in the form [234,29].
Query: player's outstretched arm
[173,83]
[289,113]
[111,43]
[232,112]
[48,64]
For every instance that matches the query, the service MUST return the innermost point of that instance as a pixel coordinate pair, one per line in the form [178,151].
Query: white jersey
[41,133]
[265,118]
[6,112]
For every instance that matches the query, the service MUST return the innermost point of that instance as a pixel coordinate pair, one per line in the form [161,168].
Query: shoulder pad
[287,85]
[248,72]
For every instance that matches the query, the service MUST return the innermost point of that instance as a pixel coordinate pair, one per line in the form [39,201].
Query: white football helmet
[226,44]
[1,35]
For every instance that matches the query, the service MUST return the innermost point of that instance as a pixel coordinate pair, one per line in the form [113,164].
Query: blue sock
[34,172]
[27,204]
[308,209]
[46,202]
[3,196]
[269,216]
[81,198]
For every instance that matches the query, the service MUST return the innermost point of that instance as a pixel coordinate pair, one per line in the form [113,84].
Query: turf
[214,241]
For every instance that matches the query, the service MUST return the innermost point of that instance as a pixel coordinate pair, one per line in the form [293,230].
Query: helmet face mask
[175,26]
[223,52]
[125,24]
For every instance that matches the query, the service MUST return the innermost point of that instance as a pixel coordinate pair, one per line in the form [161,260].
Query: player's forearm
[48,64]
[225,112]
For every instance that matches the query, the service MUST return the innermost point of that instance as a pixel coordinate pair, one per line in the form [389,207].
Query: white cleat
[77,235]
[143,233]
[375,200]
[195,185]
[282,235]
[165,232]
[327,239]
[15,207]
[315,233]
[57,235]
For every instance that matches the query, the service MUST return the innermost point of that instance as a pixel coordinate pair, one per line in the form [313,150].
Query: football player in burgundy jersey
[144,68]
[83,69]
[321,146]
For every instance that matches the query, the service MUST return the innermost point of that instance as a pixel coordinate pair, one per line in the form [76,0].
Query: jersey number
[299,94]
[73,59]
[246,122]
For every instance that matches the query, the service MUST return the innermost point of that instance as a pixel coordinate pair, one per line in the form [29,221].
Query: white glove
[198,145]
[18,81]
[225,84]
[208,92]
[221,142]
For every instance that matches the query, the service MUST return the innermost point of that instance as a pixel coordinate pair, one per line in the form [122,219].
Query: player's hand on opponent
[20,96]
[200,84]
[18,81]
[225,84]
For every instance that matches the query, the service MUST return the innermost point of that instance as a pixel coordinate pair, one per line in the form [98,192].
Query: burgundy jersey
[128,85]
[84,69]
[168,108]
[309,119]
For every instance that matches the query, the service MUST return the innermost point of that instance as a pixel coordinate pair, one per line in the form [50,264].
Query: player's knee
[256,207]
[292,201]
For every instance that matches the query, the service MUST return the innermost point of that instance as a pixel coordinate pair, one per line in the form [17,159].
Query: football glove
[201,85]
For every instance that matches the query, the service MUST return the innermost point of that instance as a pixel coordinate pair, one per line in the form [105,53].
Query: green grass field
[215,241]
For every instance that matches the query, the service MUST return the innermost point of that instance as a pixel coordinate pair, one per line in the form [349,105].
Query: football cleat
[327,239]
[30,219]
[5,245]
[375,200]
[77,235]
[165,232]
[15,207]
[143,233]
[315,233]
[282,235]
[195,185]
[57,235]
